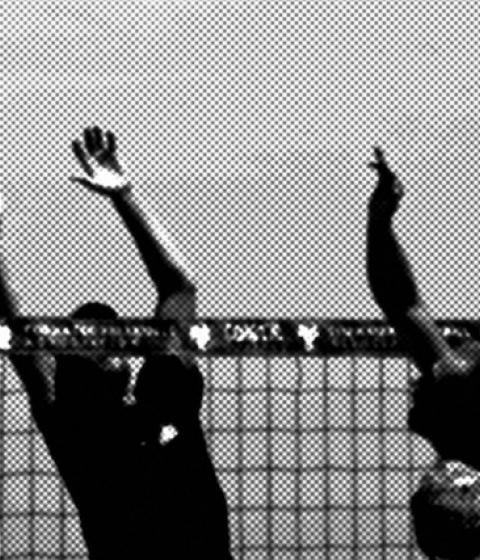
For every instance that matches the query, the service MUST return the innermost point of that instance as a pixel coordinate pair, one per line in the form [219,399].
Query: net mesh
[312,452]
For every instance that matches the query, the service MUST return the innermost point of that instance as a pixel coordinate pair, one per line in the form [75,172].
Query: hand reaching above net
[98,159]
[386,198]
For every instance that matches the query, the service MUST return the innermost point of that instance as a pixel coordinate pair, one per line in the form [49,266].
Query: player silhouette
[445,400]
[137,469]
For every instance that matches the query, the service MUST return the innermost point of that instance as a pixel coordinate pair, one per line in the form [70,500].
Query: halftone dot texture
[313,455]
[247,127]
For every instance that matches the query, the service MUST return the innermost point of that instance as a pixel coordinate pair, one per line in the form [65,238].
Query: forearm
[393,287]
[389,274]
[163,260]
[391,279]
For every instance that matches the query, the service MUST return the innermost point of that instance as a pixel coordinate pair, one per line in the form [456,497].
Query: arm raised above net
[392,282]
[163,260]
[165,265]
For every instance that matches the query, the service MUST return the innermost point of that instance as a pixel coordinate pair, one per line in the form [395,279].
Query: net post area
[305,420]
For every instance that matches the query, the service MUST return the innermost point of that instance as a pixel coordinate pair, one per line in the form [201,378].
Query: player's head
[91,379]
[94,310]
[101,312]
[446,512]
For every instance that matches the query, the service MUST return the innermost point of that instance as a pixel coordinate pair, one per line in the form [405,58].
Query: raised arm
[176,291]
[98,158]
[391,279]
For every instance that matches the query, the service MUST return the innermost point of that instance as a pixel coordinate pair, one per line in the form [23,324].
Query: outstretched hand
[98,159]
[386,198]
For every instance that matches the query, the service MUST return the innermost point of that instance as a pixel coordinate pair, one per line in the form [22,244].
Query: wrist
[124,190]
[123,194]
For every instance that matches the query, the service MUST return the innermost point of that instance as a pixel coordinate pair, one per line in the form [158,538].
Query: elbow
[185,289]
[168,285]
[189,286]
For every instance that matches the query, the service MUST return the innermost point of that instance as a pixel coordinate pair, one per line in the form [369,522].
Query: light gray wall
[247,127]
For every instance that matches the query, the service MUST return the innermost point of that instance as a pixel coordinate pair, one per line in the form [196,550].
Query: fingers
[93,146]
[89,140]
[111,143]
[82,181]
[380,164]
[100,146]
[110,151]
[86,183]
[93,140]
[98,139]
[379,155]
[81,157]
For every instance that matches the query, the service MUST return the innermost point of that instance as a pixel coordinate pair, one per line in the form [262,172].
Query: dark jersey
[447,411]
[140,475]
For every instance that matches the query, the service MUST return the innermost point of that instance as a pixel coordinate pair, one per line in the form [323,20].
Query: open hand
[98,159]
[386,198]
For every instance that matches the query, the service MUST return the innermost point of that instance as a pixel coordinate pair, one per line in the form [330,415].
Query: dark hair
[446,521]
[94,310]
[80,380]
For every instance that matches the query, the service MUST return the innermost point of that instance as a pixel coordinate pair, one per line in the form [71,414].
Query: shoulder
[177,306]
[470,350]
[462,362]
[180,308]
[466,365]
[454,387]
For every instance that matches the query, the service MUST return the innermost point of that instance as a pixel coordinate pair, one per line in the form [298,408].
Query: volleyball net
[306,422]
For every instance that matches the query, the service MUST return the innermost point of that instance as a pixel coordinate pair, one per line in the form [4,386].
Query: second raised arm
[391,279]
